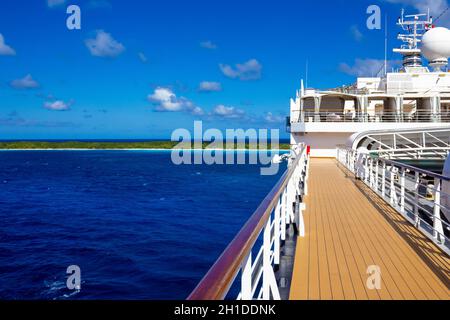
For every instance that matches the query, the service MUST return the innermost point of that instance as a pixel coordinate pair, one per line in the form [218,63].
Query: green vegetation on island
[91,145]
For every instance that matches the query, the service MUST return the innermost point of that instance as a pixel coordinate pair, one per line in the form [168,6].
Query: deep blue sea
[138,226]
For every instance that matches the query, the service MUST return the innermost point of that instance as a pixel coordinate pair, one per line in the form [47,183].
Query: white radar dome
[436,44]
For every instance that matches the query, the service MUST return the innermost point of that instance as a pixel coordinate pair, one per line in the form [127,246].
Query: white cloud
[26,82]
[57,105]
[272,118]
[227,112]
[142,57]
[209,86]
[356,33]
[167,101]
[5,50]
[208,45]
[104,45]
[366,67]
[250,70]
[197,111]
[54,3]
[436,7]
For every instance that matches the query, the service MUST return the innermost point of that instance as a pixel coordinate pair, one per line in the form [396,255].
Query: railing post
[293,199]
[353,161]
[306,167]
[297,179]
[383,180]
[283,215]
[246,279]
[377,164]
[267,268]
[402,190]
[290,198]
[438,229]
[277,235]
[416,200]
[366,169]
[349,161]
[269,284]
[301,206]
[392,174]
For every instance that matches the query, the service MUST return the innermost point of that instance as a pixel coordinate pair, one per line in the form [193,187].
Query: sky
[140,69]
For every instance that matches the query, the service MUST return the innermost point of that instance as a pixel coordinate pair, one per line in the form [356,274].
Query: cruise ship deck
[349,228]
[357,215]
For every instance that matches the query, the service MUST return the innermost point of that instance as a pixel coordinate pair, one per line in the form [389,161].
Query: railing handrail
[216,283]
[338,116]
[312,111]
[404,165]
[417,169]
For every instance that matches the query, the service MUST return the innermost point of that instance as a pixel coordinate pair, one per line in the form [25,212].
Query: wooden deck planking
[419,245]
[324,274]
[349,228]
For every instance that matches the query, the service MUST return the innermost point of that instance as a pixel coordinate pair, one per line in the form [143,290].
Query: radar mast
[414,27]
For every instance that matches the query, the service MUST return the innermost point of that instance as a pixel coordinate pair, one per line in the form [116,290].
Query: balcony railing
[350,117]
[268,225]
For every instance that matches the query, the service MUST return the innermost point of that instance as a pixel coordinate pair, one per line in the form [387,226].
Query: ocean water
[138,226]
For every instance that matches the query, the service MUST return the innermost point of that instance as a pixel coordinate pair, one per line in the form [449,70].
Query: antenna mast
[442,14]
[414,26]
[385,44]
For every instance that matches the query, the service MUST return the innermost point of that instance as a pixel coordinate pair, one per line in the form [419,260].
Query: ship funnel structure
[436,47]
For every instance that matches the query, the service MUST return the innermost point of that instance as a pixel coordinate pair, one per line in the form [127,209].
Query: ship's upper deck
[415,94]
[399,100]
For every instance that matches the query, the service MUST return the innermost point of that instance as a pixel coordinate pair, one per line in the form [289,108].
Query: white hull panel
[323,145]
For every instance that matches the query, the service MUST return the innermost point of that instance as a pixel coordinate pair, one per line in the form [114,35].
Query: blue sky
[140,69]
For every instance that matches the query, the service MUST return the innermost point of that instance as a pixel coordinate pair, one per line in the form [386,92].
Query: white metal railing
[413,192]
[261,267]
[264,234]
[417,143]
[351,117]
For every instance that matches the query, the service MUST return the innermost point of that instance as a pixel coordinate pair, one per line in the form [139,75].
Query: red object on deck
[308,150]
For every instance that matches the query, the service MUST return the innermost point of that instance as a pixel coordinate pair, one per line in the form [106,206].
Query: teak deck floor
[349,228]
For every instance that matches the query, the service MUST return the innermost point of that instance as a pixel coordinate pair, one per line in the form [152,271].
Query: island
[119,145]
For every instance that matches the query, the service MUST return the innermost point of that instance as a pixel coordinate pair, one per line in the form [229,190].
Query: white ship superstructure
[416,96]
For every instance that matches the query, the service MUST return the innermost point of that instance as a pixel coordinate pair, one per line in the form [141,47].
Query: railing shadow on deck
[430,254]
